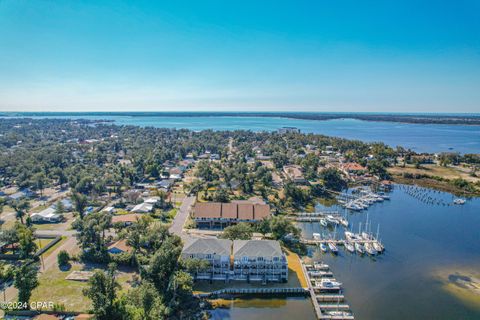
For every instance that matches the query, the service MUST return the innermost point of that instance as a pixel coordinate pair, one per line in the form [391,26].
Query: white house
[143,208]
[45,216]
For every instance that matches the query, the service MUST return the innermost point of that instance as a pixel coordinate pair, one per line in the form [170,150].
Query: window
[275,259]
[260,259]
[209,256]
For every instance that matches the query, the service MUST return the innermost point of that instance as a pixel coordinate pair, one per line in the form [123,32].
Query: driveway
[182,215]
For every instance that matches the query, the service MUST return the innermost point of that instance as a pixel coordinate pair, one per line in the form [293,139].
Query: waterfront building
[216,215]
[215,251]
[259,260]
[247,260]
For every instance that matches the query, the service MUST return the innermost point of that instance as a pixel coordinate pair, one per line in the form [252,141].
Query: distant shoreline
[424,118]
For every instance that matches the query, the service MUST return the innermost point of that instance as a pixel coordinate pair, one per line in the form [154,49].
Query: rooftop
[256,248]
[208,246]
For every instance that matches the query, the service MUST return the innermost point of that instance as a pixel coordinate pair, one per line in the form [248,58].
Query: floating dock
[328,302]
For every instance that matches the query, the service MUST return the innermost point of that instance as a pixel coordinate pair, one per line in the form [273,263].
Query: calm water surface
[420,240]
[418,137]
[251,308]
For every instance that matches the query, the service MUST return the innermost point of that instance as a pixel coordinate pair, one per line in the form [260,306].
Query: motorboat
[324,222]
[320,266]
[338,313]
[459,201]
[332,219]
[323,247]
[328,283]
[316,236]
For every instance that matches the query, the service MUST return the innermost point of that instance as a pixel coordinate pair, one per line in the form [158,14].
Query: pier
[269,291]
[328,301]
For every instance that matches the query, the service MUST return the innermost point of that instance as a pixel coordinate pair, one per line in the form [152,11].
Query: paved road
[182,215]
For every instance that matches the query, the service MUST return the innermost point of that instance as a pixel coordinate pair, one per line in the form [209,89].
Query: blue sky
[403,56]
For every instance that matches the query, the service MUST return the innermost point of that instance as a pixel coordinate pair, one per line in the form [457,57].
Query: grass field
[449,173]
[53,287]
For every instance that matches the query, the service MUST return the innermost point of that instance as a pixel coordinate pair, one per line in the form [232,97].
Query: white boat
[320,266]
[332,219]
[328,282]
[316,236]
[351,236]
[333,248]
[366,236]
[338,313]
[459,201]
[343,221]
[378,246]
[369,249]
[359,248]
[350,247]
[323,247]
[323,222]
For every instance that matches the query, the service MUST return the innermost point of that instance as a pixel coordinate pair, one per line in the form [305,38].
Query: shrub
[63,258]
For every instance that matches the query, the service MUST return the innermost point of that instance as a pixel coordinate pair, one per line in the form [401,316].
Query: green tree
[163,263]
[39,181]
[240,231]
[102,290]
[332,179]
[282,227]
[26,241]
[59,207]
[21,208]
[80,202]
[25,280]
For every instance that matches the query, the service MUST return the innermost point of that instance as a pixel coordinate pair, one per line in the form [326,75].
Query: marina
[411,230]
[326,293]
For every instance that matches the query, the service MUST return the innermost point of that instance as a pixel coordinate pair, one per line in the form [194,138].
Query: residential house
[46,216]
[215,251]
[120,246]
[259,260]
[295,173]
[143,207]
[126,219]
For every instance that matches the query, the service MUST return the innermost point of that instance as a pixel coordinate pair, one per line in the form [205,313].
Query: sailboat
[350,247]
[333,247]
[369,249]
[359,248]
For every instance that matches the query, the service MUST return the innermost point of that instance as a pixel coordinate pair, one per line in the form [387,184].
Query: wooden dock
[328,302]
[269,291]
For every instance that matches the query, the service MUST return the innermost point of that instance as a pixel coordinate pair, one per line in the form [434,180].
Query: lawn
[53,287]
[55,246]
